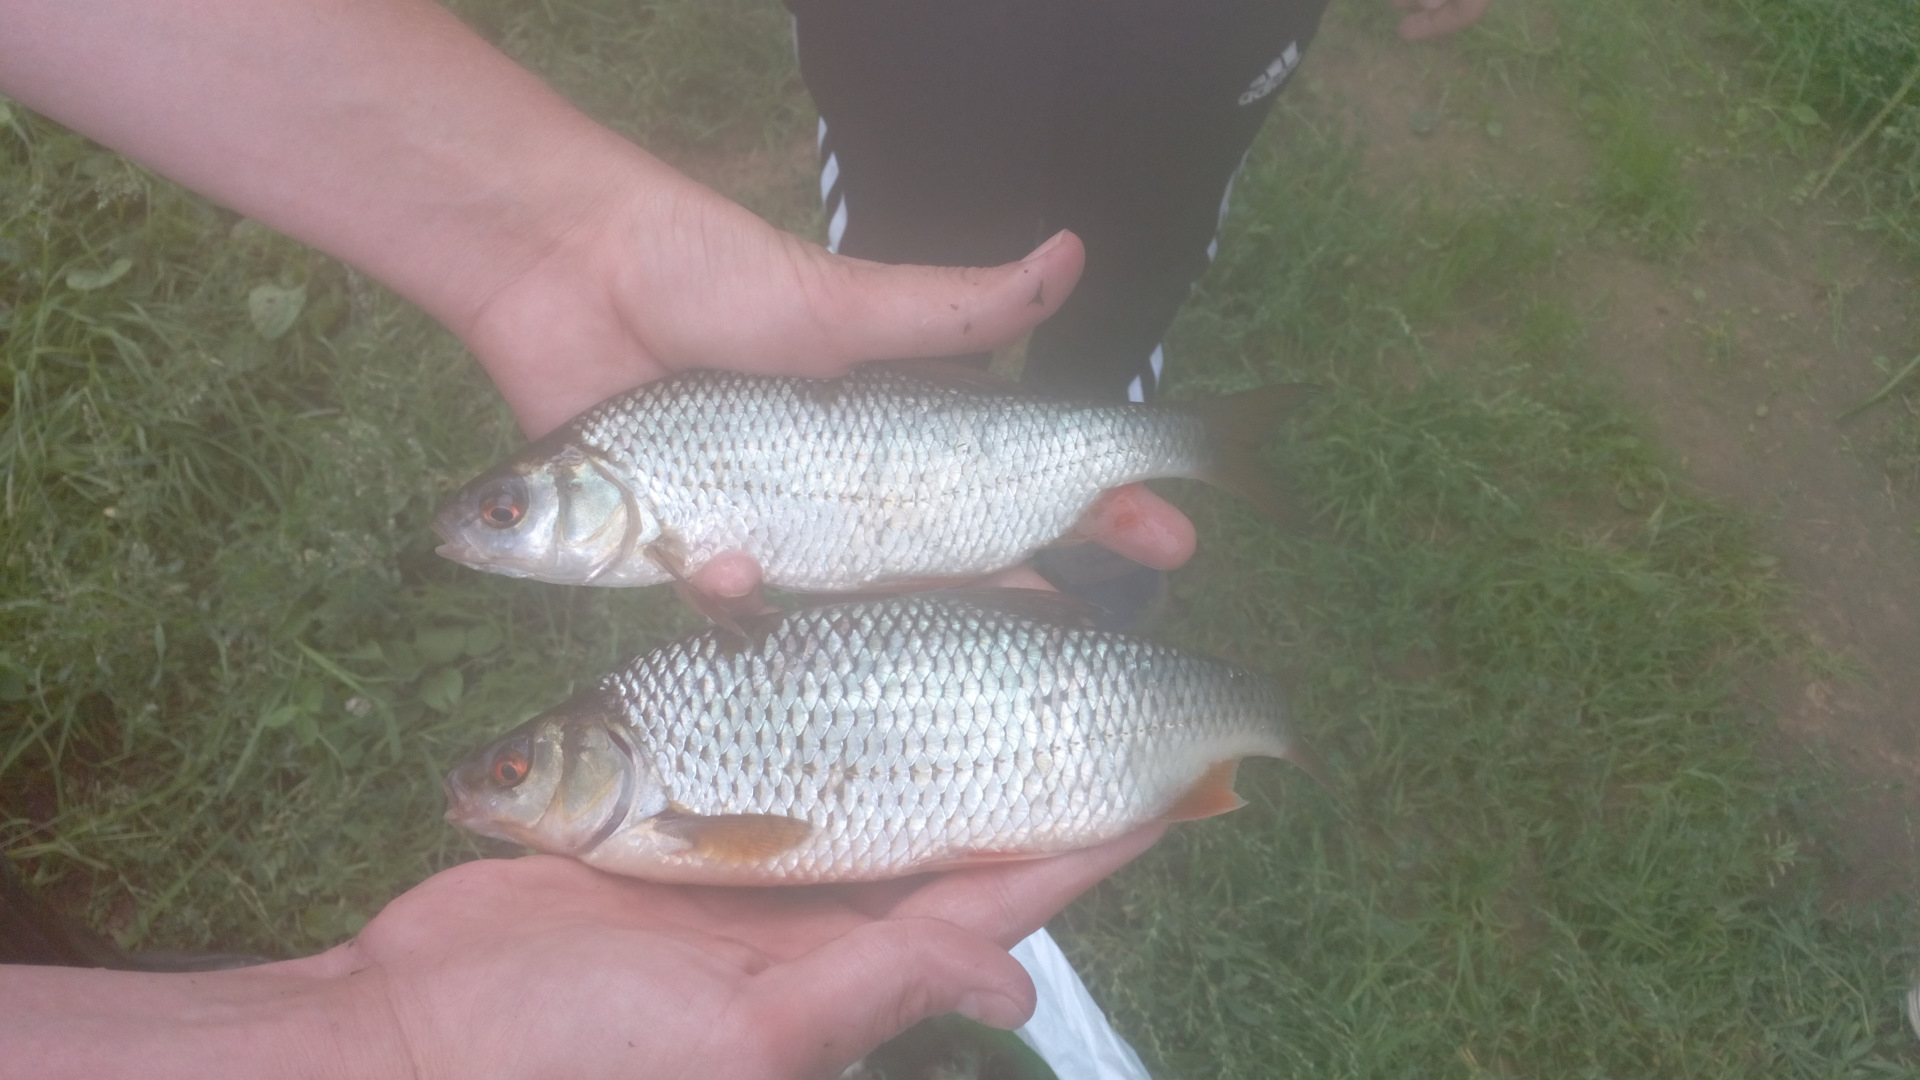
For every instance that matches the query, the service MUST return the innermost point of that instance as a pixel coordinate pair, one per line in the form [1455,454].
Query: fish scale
[987,725]
[886,474]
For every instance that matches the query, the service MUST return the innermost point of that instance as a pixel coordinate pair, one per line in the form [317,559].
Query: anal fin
[1212,794]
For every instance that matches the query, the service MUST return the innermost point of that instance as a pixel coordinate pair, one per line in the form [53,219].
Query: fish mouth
[460,809]
[463,811]
[457,551]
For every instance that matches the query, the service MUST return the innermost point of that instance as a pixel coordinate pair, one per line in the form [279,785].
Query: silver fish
[892,474]
[874,739]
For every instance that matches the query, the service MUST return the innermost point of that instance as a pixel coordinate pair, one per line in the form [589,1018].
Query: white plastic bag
[1068,1030]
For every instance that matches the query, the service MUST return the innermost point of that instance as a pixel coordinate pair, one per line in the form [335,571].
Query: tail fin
[1239,425]
[1302,755]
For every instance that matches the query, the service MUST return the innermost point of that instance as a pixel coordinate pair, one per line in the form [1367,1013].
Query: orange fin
[736,838]
[1239,424]
[965,859]
[1213,794]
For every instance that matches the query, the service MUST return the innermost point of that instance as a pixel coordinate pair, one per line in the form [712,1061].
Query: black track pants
[963,132]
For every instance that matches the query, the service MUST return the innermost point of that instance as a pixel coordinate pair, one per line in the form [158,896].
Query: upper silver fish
[873,739]
[894,473]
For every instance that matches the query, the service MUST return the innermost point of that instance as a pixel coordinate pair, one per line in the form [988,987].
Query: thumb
[825,1009]
[876,311]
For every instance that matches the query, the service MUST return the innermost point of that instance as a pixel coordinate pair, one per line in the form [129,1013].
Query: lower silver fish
[875,739]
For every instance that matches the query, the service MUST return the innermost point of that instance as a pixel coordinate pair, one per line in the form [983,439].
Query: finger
[1439,21]
[1008,902]
[817,1014]
[730,575]
[1134,522]
[726,589]
[876,311]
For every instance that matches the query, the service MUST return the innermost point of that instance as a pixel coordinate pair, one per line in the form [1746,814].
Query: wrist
[256,1022]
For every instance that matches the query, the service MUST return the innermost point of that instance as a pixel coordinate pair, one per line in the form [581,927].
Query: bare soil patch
[1742,351]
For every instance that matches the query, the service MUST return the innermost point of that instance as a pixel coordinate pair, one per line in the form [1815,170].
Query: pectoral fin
[1213,794]
[734,838]
[728,613]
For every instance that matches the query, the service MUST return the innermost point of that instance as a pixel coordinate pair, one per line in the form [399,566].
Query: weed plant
[1854,66]
[234,671]
[1520,644]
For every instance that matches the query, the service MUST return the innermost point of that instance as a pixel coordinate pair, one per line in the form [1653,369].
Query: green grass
[1848,64]
[1521,640]
[1853,67]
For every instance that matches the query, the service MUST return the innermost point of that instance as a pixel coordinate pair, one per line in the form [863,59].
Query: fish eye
[510,767]
[503,506]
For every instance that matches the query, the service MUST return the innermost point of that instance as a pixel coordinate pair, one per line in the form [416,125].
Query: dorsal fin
[1041,605]
[946,373]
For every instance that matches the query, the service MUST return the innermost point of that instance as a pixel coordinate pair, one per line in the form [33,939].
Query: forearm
[381,131]
[259,1023]
[572,263]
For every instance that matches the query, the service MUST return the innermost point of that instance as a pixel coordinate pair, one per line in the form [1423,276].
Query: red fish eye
[510,768]
[501,510]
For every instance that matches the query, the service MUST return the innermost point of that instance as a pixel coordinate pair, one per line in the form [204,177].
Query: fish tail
[1237,426]
[1303,756]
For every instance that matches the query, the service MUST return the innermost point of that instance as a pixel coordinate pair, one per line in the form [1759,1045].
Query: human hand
[1438,18]
[682,278]
[542,966]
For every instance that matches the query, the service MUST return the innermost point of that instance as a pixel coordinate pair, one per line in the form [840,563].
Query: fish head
[556,513]
[562,782]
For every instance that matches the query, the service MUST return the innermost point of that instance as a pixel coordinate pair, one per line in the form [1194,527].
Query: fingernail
[1051,243]
[993,1010]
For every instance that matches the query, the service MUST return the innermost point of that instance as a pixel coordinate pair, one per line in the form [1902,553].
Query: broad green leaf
[440,644]
[483,639]
[1804,114]
[441,689]
[273,309]
[81,280]
[403,660]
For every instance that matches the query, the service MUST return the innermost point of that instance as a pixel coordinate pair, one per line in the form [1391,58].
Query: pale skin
[573,265]
[542,967]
